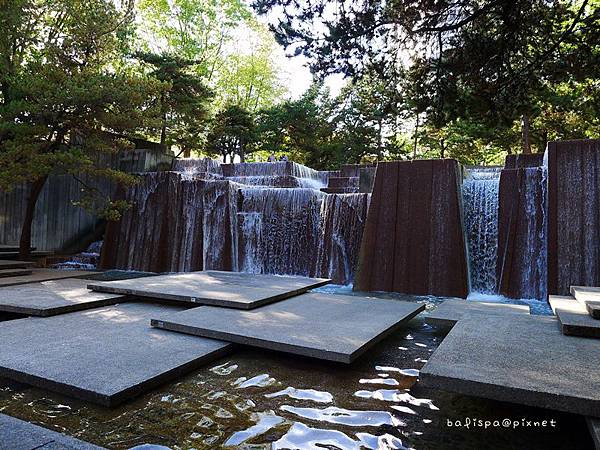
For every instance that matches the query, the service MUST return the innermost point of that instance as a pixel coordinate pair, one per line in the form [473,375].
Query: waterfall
[279,230]
[480,203]
[341,225]
[251,217]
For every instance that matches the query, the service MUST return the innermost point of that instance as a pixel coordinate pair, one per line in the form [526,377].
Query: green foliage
[474,67]
[60,95]
[232,132]
[184,103]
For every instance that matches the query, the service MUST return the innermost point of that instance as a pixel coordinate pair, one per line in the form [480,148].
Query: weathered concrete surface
[331,327]
[521,263]
[451,311]
[573,219]
[413,241]
[104,355]
[574,318]
[216,288]
[53,297]
[590,296]
[10,264]
[186,213]
[522,160]
[594,426]
[14,272]
[17,434]
[39,275]
[526,360]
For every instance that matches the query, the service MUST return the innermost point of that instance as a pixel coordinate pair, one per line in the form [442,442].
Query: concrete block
[331,327]
[451,311]
[53,297]
[232,290]
[10,264]
[17,434]
[574,318]
[39,275]
[105,355]
[526,360]
[14,272]
[590,296]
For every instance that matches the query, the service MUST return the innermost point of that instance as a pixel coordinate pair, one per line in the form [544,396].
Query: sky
[297,74]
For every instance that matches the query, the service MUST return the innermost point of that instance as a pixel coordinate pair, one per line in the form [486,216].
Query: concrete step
[573,317]
[590,296]
[11,264]
[14,272]
[348,190]
[342,182]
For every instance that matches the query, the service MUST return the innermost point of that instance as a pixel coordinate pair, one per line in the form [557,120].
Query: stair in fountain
[588,296]
[573,317]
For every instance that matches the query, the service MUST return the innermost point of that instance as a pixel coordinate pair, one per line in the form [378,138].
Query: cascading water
[279,230]
[480,204]
[252,217]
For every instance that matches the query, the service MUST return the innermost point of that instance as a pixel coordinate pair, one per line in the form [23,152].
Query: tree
[302,130]
[184,103]
[251,77]
[487,62]
[232,133]
[194,30]
[60,95]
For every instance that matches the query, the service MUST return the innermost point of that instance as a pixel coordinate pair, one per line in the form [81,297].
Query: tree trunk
[416,137]
[34,194]
[242,152]
[442,148]
[526,141]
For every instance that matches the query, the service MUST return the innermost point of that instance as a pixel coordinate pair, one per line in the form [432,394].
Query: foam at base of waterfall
[536,306]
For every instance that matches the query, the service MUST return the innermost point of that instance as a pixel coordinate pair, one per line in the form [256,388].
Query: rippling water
[260,400]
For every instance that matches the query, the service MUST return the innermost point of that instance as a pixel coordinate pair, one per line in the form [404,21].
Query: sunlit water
[259,400]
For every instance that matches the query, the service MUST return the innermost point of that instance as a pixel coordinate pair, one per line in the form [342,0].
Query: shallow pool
[258,399]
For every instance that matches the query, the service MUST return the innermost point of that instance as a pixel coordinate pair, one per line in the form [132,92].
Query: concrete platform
[17,434]
[231,290]
[525,360]
[331,327]
[449,312]
[590,296]
[574,318]
[53,297]
[14,272]
[104,355]
[10,264]
[39,275]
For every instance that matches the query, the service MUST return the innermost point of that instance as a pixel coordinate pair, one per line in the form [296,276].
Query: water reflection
[258,399]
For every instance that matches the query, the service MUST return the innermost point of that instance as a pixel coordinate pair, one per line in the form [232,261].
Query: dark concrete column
[521,263]
[413,240]
[573,214]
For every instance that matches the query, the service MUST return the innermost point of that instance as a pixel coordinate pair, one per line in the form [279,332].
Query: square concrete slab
[574,318]
[14,264]
[524,360]
[14,272]
[590,296]
[234,290]
[104,355]
[449,312]
[17,434]
[39,275]
[53,297]
[332,327]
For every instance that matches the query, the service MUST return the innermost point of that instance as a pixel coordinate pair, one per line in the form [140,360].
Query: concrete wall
[58,223]
[413,240]
[521,263]
[573,214]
